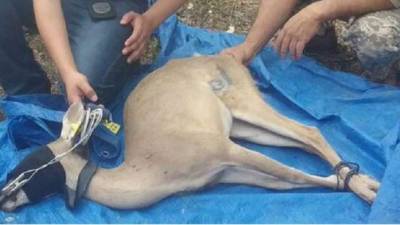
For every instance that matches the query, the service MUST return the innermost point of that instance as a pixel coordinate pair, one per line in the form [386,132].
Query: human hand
[298,31]
[78,88]
[242,53]
[142,30]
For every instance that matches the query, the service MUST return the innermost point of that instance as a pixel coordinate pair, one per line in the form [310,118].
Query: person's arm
[271,15]
[52,28]
[161,10]
[332,9]
[144,25]
[299,29]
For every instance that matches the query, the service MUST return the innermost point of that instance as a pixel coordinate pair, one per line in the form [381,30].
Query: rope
[354,169]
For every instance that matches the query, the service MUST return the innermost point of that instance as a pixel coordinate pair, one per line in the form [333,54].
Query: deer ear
[72,120]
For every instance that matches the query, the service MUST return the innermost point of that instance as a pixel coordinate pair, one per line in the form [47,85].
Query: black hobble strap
[354,169]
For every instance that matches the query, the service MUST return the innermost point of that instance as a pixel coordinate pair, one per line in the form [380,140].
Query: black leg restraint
[354,169]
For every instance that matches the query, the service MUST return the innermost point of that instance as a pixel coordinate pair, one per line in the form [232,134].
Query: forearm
[332,9]
[272,14]
[52,28]
[161,10]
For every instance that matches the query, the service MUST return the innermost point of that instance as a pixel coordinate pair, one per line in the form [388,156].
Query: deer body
[178,123]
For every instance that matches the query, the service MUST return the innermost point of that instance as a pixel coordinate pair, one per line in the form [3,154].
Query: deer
[179,123]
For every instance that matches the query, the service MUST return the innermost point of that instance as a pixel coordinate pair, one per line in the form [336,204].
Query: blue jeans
[96,46]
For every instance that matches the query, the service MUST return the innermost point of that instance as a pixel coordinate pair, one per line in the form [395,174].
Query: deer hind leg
[253,168]
[269,128]
[256,121]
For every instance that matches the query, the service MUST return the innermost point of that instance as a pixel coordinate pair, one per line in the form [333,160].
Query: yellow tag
[113,127]
[74,128]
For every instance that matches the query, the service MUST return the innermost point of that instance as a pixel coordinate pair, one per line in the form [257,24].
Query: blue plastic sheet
[360,120]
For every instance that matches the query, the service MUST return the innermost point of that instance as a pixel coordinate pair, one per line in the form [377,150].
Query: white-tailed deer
[178,123]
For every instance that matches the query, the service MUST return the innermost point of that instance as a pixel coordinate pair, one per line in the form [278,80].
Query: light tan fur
[178,123]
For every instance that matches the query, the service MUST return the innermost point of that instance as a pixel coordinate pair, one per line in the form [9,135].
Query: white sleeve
[396,3]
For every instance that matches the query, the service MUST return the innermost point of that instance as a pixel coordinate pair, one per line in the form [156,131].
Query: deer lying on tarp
[178,124]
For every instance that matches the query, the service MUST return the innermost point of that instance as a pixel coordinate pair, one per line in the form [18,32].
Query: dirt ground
[222,15]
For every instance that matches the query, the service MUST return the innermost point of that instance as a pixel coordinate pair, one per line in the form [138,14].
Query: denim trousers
[96,47]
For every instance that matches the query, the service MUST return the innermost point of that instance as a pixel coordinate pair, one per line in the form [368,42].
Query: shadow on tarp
[360,120]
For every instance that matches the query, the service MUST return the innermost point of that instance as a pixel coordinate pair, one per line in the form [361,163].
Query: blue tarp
[360,120]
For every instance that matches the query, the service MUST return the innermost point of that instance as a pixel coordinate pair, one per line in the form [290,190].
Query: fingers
[88,91]
[137,32]
[278,41]
[289,43]
[292,48]
[128,17]
[299,49]
[296,49]
[285,45]
[77,87]
[128,49]
[75,96]
[136,53]
[136,43]
[283,42]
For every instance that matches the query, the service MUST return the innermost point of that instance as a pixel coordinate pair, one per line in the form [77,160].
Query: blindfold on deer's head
[44,183]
